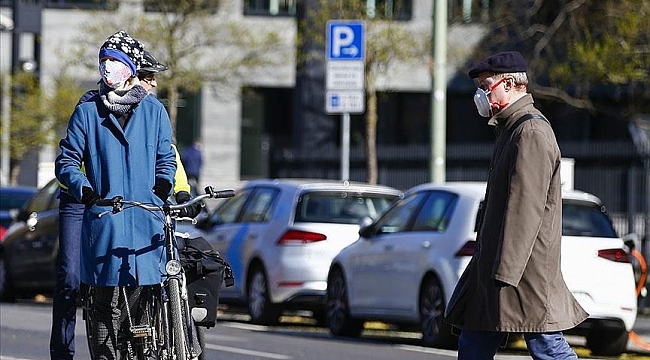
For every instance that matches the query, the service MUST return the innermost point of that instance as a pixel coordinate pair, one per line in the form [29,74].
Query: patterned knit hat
[124,48]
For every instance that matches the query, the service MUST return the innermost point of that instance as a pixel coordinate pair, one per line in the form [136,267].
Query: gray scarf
[120,102]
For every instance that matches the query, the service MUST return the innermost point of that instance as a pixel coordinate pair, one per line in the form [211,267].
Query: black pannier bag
[205,271]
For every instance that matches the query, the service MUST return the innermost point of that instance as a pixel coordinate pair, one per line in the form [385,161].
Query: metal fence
[610,170]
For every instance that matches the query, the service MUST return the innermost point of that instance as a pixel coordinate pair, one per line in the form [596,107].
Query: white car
[280,236]
[405,265]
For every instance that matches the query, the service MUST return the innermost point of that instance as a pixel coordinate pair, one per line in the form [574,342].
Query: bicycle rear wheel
[177,323]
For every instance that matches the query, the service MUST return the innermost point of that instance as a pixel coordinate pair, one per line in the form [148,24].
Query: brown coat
[518,242]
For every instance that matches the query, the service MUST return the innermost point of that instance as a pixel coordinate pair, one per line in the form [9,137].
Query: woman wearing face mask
[123,138]
[514,282]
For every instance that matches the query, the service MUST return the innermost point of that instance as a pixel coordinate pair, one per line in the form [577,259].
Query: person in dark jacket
[123,137]
[193,160]
[514,282]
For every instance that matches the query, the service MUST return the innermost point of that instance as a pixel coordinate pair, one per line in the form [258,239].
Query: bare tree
[37,116]
[200,44]
[388,42]
[577,46]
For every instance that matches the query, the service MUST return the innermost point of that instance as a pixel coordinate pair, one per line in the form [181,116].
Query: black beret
[503,62]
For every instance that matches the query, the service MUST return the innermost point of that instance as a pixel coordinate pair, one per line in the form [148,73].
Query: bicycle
[164,328]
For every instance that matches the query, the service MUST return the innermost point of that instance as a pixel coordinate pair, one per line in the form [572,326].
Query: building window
[389,9]
[173,6]
[469,11]
[82,4]
[270,7]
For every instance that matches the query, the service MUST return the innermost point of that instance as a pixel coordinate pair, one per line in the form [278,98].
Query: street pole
[345,147]
[438,92]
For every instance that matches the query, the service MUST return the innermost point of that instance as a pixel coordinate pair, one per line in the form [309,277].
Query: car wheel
[338,316]
[260,308]
[435,332]
[6,290]
[607,341]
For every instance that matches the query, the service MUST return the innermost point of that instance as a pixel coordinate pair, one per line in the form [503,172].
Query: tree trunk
[173,108]
[371,131]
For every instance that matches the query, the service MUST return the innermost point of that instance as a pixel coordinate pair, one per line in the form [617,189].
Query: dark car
[12,198]
[29,250]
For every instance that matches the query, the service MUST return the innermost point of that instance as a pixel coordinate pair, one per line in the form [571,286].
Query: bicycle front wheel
[177,322]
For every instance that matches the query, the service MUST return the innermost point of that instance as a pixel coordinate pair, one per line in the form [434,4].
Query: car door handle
[426,244]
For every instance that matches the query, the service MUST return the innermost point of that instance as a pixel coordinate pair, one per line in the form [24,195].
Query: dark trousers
[66,290]
[482,345]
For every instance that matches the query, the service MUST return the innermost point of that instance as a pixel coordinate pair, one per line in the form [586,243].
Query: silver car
[280,237]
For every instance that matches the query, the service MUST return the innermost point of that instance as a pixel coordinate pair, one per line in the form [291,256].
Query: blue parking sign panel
[345,40]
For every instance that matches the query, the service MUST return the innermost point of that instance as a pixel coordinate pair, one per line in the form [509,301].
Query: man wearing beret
[514,283]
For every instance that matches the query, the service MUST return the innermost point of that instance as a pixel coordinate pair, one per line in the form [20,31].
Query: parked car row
[353,252]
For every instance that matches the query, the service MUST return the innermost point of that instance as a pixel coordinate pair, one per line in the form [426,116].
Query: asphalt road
[25,329]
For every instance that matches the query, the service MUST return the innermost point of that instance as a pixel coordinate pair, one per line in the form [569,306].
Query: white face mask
[114,73]
[483,104]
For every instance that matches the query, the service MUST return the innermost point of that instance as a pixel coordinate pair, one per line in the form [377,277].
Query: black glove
[88,196]
[191,211]
[162,188]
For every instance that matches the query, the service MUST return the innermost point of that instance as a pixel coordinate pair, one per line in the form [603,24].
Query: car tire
[339,320]
[6,290]
[607,341]
[260,308]
[435,332]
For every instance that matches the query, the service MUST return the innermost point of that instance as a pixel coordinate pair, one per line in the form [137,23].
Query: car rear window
[586,219]
[578,219]
[13,199]
[340,207]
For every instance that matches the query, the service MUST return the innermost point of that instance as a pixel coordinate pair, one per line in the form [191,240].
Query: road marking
[5,357]
[246,352]
[251,327]
[427,350]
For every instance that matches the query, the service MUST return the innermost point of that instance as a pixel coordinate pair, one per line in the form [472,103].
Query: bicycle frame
[170,332]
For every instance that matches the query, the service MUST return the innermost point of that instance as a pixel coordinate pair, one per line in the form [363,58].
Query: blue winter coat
[124,248]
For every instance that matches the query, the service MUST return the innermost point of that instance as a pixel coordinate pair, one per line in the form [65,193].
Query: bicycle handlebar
[118,202]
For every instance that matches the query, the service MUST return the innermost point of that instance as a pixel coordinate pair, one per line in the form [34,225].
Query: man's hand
[89,197]
[193,210]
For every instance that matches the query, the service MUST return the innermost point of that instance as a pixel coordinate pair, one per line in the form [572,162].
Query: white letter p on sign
[343,36]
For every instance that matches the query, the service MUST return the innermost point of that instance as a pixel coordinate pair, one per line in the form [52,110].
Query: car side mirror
[630,240]
[366,229]
[14,214]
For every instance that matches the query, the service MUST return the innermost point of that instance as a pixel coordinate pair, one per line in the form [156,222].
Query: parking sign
[344,80]
[345,40]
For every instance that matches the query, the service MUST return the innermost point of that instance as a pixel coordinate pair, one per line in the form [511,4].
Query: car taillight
[3,230]
[618,255]
[467,249]
[300,237]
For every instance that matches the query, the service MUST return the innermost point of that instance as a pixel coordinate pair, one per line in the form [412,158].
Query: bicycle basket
[205,271]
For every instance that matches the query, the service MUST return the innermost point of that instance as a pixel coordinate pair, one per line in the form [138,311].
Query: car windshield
[586,219]
[340,207]
[13,199]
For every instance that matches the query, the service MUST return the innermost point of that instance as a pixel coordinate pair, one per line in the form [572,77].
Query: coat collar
[504,119]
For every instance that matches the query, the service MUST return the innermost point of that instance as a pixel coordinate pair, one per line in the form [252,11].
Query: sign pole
[345,147]
[344,78]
